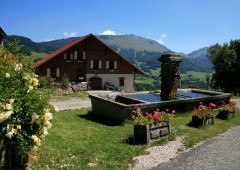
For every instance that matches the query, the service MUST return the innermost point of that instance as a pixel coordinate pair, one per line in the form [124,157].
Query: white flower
[8,113]
[45,131]
[35,81]
[36,140]
[29,88]
[54,108]
[18,67]
[10,134]
[39,121]
[2,117]
[8,107]
[27,77]
[48,115]
[48,124]
[34,117]
[11,101]
[7,75]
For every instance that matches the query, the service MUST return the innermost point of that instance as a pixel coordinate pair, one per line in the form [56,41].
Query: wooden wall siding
[95,50]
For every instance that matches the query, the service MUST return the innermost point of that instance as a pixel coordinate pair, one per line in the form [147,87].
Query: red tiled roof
[69,45]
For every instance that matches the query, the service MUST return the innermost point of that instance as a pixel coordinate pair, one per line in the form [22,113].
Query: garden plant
[25,114]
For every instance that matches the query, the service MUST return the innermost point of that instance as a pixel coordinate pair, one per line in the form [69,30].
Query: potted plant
[202,115]
[151,126]
[227,110]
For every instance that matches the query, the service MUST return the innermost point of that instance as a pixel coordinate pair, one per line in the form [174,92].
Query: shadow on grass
[97,119]
[130,140]
[191,124]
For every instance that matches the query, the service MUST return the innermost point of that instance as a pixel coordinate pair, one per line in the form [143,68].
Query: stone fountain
[170,75]
[118,108]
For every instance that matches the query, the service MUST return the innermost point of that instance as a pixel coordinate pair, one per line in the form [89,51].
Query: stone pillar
[170,75]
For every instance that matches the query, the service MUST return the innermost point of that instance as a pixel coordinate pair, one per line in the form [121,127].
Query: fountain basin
[120,107]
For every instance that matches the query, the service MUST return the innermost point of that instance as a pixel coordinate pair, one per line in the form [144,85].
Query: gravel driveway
[76,103]
[219,153]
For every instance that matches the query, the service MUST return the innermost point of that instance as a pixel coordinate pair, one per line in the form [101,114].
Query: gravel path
[158,155]
[76,103]
[210,154]
[73,103]
[218,153]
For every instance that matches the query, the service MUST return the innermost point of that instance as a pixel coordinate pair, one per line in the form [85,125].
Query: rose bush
[25,114]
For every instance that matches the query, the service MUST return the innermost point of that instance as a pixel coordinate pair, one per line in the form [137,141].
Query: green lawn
[36,55]
[200,75]
[77,138]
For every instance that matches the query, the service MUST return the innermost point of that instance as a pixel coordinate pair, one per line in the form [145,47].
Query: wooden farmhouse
[88,59]
[2,36]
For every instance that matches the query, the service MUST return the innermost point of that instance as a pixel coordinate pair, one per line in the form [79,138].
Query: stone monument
[170,75]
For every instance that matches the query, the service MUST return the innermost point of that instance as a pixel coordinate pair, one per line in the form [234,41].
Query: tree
[226,61]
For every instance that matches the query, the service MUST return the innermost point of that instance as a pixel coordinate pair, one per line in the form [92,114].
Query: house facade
[2,36]
[88,59]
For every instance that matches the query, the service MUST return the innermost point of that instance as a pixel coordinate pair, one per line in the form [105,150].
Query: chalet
[88,59]
[2,36]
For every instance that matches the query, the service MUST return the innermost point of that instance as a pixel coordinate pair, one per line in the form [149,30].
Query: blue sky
[180,25]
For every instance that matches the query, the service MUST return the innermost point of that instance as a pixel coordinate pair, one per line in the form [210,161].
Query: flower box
[144,134]
[225,114]
[202,121]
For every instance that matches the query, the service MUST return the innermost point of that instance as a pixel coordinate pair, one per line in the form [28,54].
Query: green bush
[65,81]
[24,112]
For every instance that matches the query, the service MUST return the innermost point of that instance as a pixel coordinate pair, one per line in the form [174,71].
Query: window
[53,73]
[111,65]
[80,58]
[96,64]
[68,57]
[121,81]
[48,72]
[57,72]
[75,55]
[80,74]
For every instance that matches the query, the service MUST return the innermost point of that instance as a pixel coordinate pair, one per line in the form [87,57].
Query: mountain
[199,57]
[138,50]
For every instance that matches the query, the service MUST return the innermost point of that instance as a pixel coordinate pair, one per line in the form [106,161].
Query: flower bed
[227,110]
[202,115]
[151,127]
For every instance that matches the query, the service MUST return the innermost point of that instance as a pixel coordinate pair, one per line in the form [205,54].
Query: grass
[55,95]
[36,55]
[146,81]
[60,97]
[78,138]
[200,75]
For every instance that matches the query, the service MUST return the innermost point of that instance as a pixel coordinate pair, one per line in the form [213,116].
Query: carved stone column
[170,75]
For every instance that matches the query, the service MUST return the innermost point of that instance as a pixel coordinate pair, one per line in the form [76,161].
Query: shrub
[65,81]
[25,114]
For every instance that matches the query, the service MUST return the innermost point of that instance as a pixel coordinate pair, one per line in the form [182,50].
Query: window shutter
[115,65]
[84,55]
[71,56]
[100,64]
[91,64]
[75,55]
[57,72]
[107,64]
[48,72]
[65,56]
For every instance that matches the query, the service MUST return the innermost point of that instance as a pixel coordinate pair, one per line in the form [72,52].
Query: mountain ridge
[140,51]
